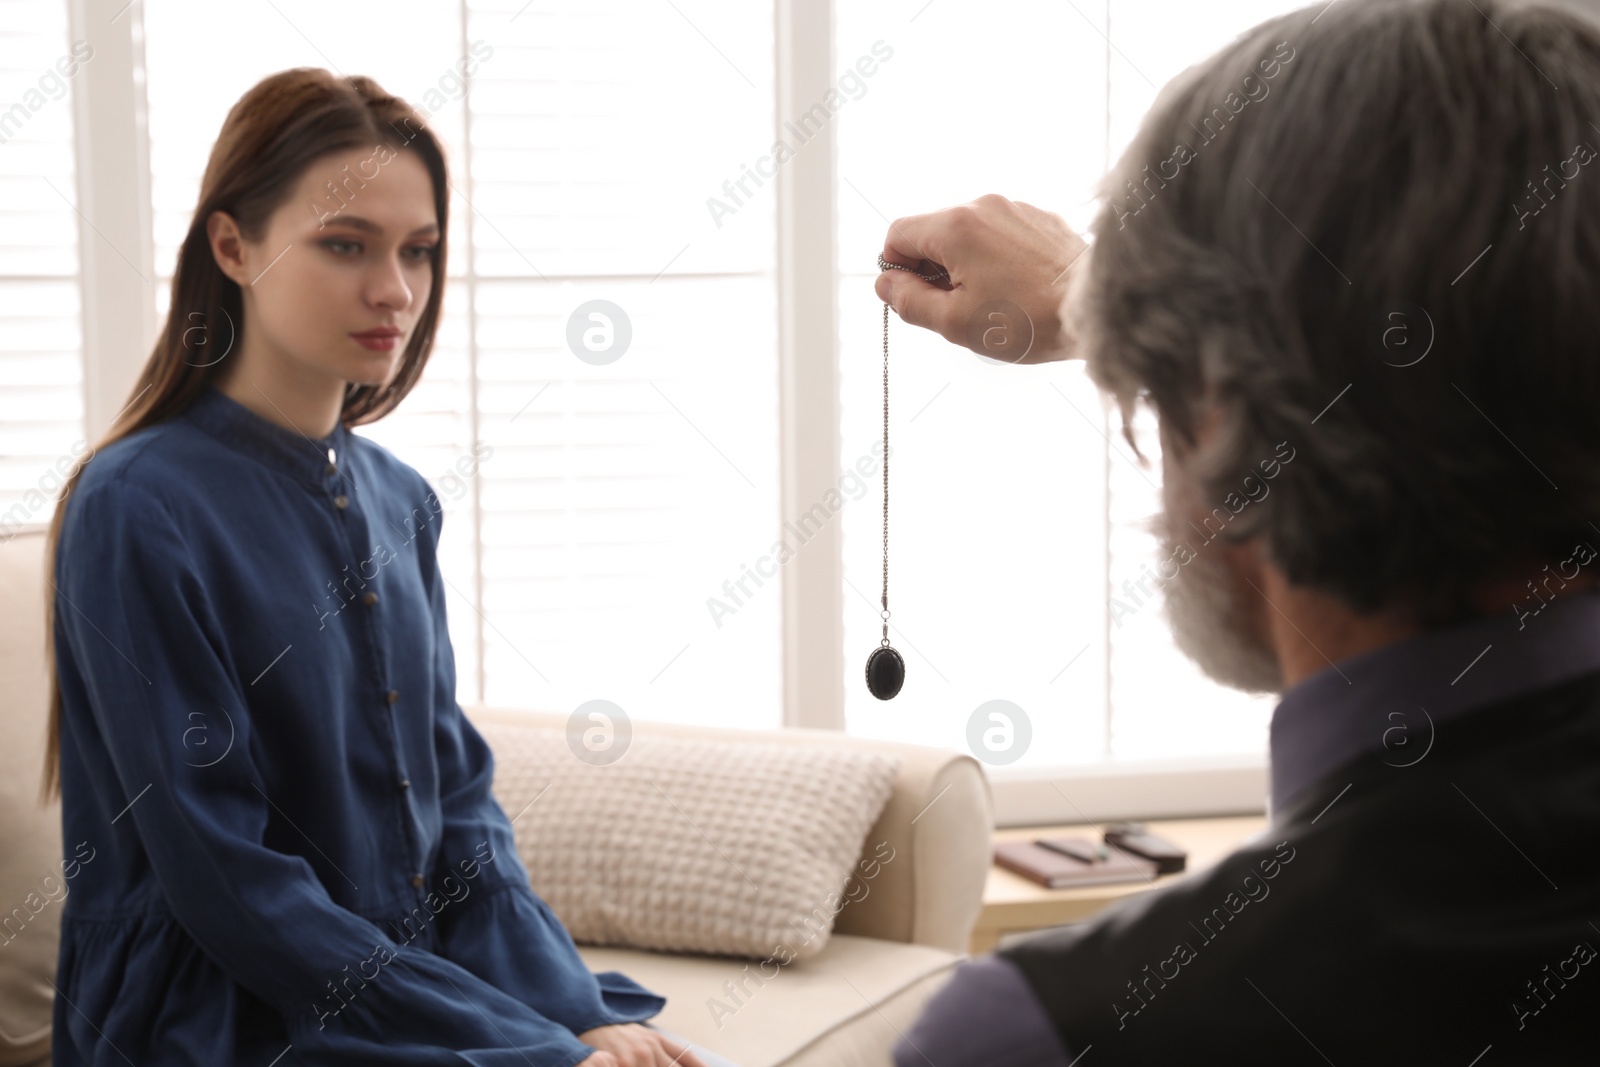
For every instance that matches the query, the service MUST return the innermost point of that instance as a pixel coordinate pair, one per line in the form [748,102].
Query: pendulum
[886,670]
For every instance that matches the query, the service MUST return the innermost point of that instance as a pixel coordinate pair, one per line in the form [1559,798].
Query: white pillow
[684,845]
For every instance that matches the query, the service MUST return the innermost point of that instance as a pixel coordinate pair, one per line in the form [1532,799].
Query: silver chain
[939,275]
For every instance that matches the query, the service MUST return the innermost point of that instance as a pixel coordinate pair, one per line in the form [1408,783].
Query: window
[615,498]
[1015,504]
[617,541]
[41,399]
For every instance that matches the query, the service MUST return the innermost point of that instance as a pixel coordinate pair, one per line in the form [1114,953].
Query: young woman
[293,853]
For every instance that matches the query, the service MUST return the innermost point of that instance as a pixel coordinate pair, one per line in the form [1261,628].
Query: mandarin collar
[310,460]
[1388,701]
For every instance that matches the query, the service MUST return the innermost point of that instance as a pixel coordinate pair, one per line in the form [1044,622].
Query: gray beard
[1202,604]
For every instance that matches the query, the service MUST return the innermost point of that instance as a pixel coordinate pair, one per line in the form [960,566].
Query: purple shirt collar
[1388,700]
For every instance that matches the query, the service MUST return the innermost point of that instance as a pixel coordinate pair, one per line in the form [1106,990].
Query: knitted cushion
[725,847]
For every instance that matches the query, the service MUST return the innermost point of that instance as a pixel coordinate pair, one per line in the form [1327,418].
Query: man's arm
[985,1016]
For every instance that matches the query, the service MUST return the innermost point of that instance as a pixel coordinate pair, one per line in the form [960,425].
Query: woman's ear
[227,245]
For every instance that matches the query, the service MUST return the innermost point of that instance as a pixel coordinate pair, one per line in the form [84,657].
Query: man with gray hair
[1393,269]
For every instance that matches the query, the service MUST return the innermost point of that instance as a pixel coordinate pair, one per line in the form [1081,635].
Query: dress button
[405,783]
[370,599]
[417,880]
[341,501]
[394,695]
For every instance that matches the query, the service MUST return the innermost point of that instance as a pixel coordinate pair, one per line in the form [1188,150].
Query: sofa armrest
[938,821]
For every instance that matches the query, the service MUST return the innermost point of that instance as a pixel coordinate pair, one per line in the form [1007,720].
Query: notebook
[1057,870]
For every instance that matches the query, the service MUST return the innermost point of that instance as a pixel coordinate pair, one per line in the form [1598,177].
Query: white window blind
[616,541]
[1162,706]
[616,499]
[41,375]
[1015,504]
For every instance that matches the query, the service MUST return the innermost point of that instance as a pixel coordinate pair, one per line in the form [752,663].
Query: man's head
[1370,231]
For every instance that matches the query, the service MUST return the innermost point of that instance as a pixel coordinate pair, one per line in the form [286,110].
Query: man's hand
[632,1045]
[1009,265]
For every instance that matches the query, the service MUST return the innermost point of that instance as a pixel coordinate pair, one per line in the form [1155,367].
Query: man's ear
[1250,559]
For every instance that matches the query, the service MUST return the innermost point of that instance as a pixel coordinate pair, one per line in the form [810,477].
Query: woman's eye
[419,253]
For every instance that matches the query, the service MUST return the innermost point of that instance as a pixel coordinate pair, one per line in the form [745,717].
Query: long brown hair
[283,124]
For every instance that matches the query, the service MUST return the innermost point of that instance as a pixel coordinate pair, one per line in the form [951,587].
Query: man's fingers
[918,238]
[910,296]
[884,286]
[917,302]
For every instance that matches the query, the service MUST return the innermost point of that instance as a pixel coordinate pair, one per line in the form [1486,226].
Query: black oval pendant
[886,672]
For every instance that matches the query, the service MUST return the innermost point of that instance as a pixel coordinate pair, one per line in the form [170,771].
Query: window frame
[111,142]
[116,241]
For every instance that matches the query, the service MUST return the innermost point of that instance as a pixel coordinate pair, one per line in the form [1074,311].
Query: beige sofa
[842,1007]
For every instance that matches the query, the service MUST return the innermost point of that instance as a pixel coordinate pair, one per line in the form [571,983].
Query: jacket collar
[1389,700]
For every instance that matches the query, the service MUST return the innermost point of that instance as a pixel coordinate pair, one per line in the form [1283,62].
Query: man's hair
[1372,230]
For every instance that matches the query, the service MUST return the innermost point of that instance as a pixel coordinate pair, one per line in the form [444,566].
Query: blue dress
[281,841]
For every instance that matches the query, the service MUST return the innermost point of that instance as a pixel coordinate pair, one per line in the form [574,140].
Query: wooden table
[1013,904]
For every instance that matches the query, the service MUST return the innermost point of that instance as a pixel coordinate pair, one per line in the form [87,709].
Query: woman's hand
[1009,265]
[632,1045]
